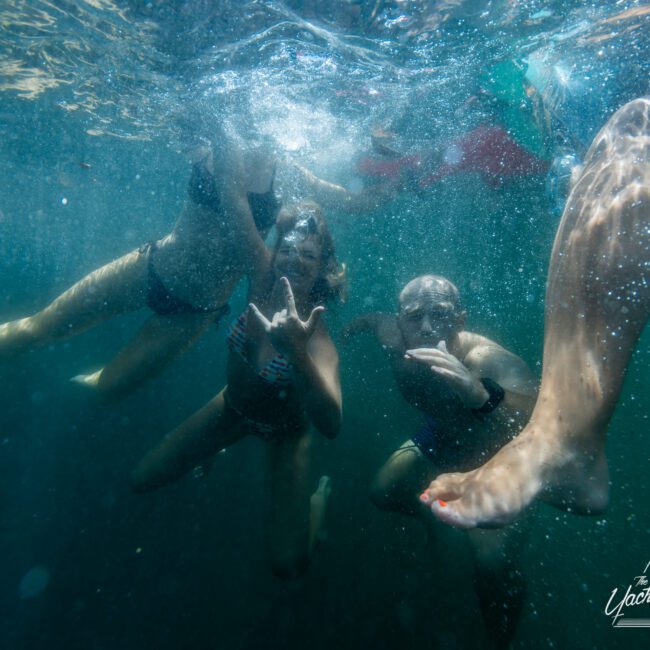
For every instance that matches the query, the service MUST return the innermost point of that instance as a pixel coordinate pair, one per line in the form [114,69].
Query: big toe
[482,507]
[455,513]
[463,502]
[445,487]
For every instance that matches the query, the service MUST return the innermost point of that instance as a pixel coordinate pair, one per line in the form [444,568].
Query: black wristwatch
[496,395]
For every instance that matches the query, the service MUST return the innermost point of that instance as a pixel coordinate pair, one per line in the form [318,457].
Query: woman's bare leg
[317,511]
[116,288]
[210,429]
[291,508]
[597,304]
[161,340]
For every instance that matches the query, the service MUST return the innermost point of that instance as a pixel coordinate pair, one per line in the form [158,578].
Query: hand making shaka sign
[288,334]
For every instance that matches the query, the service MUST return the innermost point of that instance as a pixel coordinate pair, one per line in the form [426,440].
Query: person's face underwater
[298,258]
[424,323]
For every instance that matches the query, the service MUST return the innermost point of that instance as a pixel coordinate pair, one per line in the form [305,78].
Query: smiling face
[298,258]
[304,253]
[430,312]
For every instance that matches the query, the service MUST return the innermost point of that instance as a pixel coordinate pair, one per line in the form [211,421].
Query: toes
[462,501]
[476,507]
[453,513]
[445,487]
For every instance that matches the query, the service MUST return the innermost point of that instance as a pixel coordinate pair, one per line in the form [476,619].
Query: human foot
[91,380]
[318,509]
[528,467]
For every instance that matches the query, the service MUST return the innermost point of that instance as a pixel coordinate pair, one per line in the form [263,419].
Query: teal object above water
[506,81]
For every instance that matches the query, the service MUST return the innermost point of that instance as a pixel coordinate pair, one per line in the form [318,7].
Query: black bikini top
[203,191]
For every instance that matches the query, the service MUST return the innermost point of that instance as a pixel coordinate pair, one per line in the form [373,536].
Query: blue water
[100,103]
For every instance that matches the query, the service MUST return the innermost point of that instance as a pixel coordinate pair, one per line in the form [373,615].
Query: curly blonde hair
[308,217]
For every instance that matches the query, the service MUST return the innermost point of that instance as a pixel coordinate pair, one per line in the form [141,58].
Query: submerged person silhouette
[184,278]
[487,150]
[474,395]
[597,304]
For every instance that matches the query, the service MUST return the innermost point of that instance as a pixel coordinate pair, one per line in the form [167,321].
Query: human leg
[499,580]
[292,540]
[162,339]
[400,480]
[210,429]
[116,288]
[317,510]
[597,303]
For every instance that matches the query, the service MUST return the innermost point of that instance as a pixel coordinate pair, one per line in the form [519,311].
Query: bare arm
[336,197]
[231,187]
[383,326]
[483,361]
[513,375]
[313,356]
[318,383]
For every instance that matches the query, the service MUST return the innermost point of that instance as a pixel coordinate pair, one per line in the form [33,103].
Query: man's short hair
[431,289]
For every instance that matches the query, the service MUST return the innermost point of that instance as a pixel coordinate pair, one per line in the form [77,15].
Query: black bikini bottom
[161,301]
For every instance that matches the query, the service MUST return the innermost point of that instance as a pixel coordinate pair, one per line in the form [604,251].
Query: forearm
[319,395]
[512,413]
[245,236]
[336,197]
[364,323]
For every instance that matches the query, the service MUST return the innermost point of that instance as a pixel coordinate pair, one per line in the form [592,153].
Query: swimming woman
[184,278]
[282,376]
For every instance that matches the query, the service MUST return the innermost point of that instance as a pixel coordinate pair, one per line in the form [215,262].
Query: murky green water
[100,102]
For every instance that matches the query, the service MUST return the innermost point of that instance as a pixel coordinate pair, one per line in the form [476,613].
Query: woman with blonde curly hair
[282,377]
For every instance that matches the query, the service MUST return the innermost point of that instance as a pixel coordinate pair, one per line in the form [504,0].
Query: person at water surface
[185,279]
[282,378]
[597,305]
[474,395]
[384,172]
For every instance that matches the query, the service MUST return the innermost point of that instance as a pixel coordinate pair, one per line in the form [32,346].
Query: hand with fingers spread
[288,334]
[467,385]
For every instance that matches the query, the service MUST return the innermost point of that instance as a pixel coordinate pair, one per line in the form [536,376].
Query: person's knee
[381,495]
[634,113]
[491,560]
[141,480]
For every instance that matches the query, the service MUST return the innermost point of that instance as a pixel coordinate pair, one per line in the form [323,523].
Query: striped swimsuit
[278,371]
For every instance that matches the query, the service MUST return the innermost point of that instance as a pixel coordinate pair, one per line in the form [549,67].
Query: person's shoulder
[470,342]
[477,350]
[388,332]
[490,359]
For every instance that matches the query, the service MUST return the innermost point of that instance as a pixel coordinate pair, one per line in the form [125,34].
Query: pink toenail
[424,497]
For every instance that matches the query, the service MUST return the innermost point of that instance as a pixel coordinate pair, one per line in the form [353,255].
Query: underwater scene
[322,324]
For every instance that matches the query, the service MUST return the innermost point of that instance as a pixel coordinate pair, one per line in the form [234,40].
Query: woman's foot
[530,466]
[318,503]
[91,380]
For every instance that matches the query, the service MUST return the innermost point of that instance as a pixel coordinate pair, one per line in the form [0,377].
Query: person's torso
[463,438]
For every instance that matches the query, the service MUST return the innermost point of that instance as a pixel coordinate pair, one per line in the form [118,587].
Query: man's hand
[288,334]
[467,386]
